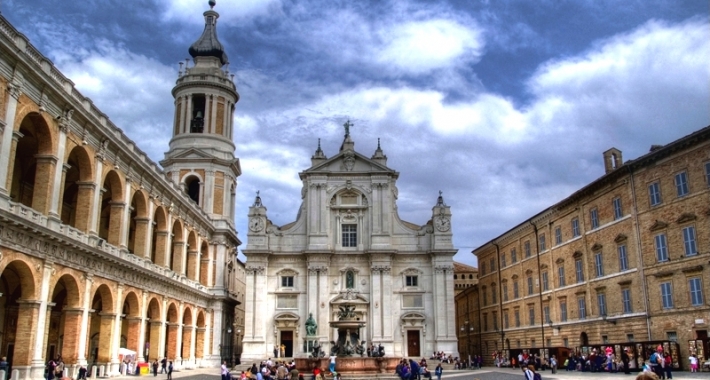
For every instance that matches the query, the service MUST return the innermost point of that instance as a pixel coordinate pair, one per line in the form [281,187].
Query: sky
[505,106]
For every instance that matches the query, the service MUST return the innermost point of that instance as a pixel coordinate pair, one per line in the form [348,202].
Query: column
[15,90]
[207,352]
[186,353]
[220,253]
[149,231]
[177,260]
[94,222]
[440,301]
[140,352]
[85,206]
[44,182]
[323,292]
[38,347]
[387,307]
[27,333]
[72,335]
[58,177]
[209,191]
[312,295]
[116,226]
[123,241]
[188,114]
[116,336]
[16,136]
[178,335]
[213,114]
[163,330]
[84,330]
[193,263]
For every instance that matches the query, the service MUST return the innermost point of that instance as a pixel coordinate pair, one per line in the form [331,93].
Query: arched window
[192,186]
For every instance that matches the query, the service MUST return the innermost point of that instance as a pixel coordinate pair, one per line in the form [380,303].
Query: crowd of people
[410,369]
[279,370]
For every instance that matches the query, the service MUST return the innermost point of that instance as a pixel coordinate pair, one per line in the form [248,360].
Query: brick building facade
[100,249]
[622,260]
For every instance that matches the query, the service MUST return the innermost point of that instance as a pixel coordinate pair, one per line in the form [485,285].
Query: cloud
[231,11]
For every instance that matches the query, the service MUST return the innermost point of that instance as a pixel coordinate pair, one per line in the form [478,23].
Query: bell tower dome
[201,156]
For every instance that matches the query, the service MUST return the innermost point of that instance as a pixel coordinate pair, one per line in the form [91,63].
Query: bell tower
[201,156]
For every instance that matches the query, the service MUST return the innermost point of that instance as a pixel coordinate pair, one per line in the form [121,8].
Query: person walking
[155,367]
[625,361]
[170,371]
[693,363]
[163,366]
[438,372]
[225,371]
[553,364]
[667,365]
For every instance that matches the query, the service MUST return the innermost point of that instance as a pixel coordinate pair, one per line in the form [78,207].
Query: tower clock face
[442,223]
[256,224]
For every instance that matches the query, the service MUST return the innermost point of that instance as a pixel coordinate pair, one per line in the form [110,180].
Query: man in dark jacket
[414,366]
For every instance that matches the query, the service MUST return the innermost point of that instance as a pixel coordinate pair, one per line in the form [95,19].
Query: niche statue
[311,326]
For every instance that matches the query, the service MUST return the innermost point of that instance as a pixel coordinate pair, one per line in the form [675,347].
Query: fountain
[349,349]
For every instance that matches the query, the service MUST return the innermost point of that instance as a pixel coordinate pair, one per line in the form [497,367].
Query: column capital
[15,90]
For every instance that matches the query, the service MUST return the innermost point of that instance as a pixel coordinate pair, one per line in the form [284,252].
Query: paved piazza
[485,374]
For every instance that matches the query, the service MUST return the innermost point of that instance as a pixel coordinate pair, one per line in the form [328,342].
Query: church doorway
[413,343]
[287,341]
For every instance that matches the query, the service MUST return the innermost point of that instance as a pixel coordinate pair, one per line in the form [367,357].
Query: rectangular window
[623,258]
[495,321]
[412,301]
[513,256]
[349,235]
[542,243]
[485,322]
[505,291]
[618,212]
[482,271]
[412,280]
[563,311]
[661,248]
[561,276]
[666,295]
[530,285]
[287,281]
[558,235]
[286,302]
[672,336]
[494,295]
[502,261]
[598,264]
[601,303]
[689,241]
[485,296]
[546,313]
[516,315]
[493,265]
[707,173]
[516,294]
[579,270]
[527,249]
[575,227]
[594,218]
[626,300]
[582,305]
[654,194]
[506,323]
[565,342]
[629,337]
[681,184]
[545,282]
[696,291]
[531,316]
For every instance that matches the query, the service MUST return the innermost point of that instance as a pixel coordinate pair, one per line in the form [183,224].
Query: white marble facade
[349,246]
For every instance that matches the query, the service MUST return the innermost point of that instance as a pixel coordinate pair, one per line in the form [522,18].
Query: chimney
[612,160]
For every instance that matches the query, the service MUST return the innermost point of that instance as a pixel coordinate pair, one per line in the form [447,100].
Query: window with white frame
[545,282]
[575,227]
[349,235]
[558,235]
[654,194]
[563,311]
[661,247]
[506,322]
[623,258]
[599,264]
[542,243]
[516,294]
[579,270]
[601,303]
[666,295]
[505,291]
[582,306]
[411,280]
[594,218]
[695,286]
[493,265]
[681,184]
[502,261]
[626,300]
[546,314]
[689,241]
[561,276]
[287,281]
[618,211]
[513,256]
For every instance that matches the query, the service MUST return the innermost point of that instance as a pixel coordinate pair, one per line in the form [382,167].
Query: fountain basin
[350,365]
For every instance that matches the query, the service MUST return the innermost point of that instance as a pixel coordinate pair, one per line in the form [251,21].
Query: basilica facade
[102,252]
[348,251]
